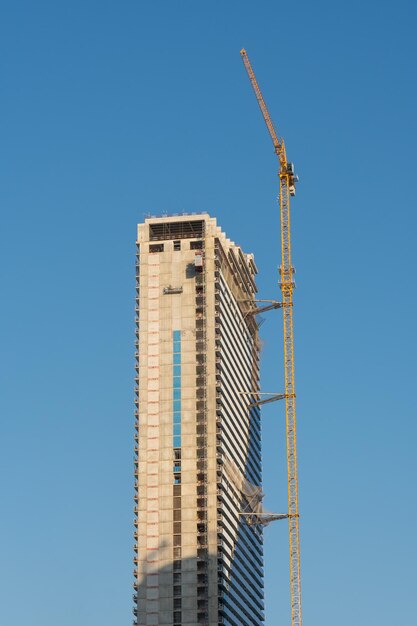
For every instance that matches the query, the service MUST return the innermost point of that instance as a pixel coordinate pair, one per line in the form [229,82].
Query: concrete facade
[198,561]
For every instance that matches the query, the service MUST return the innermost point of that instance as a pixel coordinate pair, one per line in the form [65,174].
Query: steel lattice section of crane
[288,181]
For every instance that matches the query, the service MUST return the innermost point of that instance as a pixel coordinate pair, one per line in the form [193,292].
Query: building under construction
[198,552]
[198,511]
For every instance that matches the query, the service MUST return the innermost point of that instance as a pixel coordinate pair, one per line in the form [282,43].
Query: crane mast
[287,183]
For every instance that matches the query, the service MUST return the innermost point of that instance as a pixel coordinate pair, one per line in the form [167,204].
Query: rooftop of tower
[189,225]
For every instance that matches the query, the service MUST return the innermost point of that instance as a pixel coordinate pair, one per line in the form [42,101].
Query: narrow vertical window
[176,388]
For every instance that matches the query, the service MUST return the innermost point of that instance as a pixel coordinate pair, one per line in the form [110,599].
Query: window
[177,603]
[156,247]
[176,400]
[196,245]
[177,245]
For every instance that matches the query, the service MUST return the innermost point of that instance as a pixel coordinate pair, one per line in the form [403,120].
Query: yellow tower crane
[287,183]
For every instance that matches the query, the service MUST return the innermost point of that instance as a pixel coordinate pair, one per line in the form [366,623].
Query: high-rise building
[198,550]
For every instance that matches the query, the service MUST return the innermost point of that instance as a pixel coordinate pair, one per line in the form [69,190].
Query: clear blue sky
[111,110]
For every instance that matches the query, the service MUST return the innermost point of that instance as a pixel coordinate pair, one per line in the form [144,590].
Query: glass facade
[241,544]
